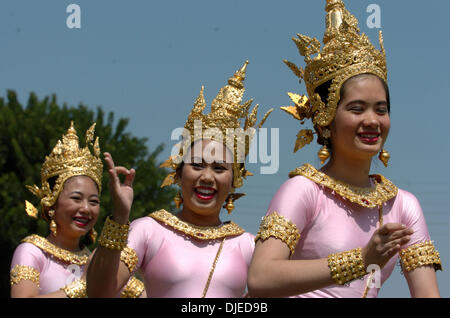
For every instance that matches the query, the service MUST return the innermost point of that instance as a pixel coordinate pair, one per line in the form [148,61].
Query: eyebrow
[81,193]
[359,101]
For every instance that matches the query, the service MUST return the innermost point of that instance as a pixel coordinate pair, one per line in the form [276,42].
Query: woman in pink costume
[193,253]
[55,266]
[338,231]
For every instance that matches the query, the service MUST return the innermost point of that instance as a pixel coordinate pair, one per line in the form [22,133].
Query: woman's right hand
[385,243]
[122,193]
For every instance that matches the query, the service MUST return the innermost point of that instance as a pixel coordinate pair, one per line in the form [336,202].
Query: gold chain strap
[205,290]
[380,217]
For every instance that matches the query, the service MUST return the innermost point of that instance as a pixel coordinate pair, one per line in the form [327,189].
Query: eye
[382,110]
[197,165]
[76,198]
[220,168]
[356,108]
[94,202]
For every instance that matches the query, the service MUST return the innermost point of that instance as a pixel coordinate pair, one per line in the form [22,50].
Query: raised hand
[385,243]
[122,193]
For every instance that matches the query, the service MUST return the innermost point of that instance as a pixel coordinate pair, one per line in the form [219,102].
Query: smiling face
[77,207]
[362,122]
[205,182]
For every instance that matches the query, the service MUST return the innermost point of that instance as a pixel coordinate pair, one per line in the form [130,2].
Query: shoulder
[407,197]
[27,253]
[408,207]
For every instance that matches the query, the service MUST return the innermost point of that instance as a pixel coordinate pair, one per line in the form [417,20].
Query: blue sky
[147,60]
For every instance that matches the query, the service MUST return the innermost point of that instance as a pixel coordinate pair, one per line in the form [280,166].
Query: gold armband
[114,235]
[76,289]
[346,266]
[420,254]
[129,257]
[23,272]
[277,226]
[133,289]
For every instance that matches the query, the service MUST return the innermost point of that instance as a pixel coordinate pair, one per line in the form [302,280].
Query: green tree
[28,134]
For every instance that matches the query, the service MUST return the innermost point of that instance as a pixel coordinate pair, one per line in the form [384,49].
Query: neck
[65,242]
[353,172]
[198,219]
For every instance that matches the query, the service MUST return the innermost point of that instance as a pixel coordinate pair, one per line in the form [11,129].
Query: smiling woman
[338,231]
[191,253]
[55,266]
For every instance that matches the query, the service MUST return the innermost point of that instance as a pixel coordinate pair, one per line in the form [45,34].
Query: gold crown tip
[240,74]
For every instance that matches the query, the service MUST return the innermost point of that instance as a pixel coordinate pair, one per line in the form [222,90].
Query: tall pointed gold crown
[346,53]
[67,160]
[226,115]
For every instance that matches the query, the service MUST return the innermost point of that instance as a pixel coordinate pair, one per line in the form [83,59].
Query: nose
[84,206]
[207,176]
[371,119]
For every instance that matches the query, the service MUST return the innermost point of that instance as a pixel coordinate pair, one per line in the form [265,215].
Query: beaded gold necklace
[78,258]
[199,232]
[383,191]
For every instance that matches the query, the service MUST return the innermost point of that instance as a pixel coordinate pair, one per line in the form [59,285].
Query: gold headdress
[66,160]
[222,124]
[346,53]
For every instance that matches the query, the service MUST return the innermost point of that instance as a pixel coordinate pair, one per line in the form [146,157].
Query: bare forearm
[282,278]
[106,275]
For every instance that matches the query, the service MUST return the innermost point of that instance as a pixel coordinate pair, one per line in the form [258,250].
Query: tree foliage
[28,134]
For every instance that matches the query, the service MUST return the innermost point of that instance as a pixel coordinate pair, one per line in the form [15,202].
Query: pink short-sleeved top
[328,223]
[176,257]
[52,268]
[56,267]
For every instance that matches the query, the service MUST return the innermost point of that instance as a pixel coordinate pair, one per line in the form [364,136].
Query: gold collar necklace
[199,232]
[78,258]
[383,191]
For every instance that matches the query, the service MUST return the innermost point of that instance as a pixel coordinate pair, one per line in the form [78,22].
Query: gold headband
[345,54]
[67,160]
[226,113]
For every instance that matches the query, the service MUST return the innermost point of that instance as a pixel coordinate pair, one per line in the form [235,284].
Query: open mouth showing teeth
[205,193]
[369,135]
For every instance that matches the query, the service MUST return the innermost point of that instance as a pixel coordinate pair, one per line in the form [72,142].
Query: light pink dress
[177,265]
[329,224]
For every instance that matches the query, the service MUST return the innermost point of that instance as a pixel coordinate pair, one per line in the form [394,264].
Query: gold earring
[93,235]
[384,157]
[178,200]
[53,225]
[230,205]
[323,154]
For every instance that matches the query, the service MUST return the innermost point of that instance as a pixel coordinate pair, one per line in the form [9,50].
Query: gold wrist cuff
[23,272]
[277,226]
[133,289]
[129,257]
[346,266]
[76,289]
[420,254]
[114,235]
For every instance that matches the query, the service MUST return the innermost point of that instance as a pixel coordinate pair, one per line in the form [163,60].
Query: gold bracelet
[420,254]
[133,289]
[76,289]
[346,266]
[129,257]
[114,235]
[277,226]
[23,272]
